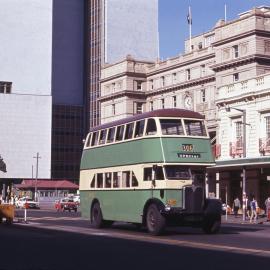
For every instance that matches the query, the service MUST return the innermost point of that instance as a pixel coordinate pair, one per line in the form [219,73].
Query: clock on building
[188,102]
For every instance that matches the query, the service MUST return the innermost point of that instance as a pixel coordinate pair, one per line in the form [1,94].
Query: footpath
[261,220]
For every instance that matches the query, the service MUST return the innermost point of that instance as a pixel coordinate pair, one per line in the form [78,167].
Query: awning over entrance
[249,163]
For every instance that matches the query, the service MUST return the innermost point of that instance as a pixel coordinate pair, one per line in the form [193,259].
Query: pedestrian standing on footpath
[236,206]
[253,206]
[267,208]
[248,208]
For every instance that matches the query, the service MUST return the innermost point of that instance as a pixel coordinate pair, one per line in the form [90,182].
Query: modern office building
[41,88]
[228,67]
[116,28]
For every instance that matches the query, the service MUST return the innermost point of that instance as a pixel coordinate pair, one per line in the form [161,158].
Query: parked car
[76,199]
[66,204]
[20,203]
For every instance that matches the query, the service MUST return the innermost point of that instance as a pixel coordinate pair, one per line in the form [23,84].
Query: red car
[66,204]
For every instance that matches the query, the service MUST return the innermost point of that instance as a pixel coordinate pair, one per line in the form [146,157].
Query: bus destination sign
[187,148]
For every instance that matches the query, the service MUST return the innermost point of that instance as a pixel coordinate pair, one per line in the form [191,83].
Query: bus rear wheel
[96,216]
[155,222]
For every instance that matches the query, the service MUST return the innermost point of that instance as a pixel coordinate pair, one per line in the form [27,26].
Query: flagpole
[225,11]
[190,23]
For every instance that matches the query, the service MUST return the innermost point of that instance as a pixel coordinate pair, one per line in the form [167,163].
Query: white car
[76,198]
[20,203]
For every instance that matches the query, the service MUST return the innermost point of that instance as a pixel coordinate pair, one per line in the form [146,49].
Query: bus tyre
[211,224]
[96,216]
[155,222]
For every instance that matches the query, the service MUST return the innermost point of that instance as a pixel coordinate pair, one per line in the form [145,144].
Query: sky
[173,26]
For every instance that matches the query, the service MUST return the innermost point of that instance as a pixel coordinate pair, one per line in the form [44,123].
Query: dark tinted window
[151,127]
[94,139]
[119,133]
[102,136]
[129,131]
[134,181]
[195,128]
[99,180]
[111,135]
[139,128]
[171,127]
[177,172]
[93,182]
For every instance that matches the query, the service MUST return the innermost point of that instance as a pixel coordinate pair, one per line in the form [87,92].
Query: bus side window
[111,133]
[159,173]
[134,181]
[151,128]
[100,180]
[88,140]
[139,128]
[195,127]
[102,136]
[116,179]
[119,133]
[129,131]
[171,127]
[147,174]
[94,139]
[125,179]
[108,180]
[93,182]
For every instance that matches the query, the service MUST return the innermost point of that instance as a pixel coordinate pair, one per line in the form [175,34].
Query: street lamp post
[37,157]
[243,111]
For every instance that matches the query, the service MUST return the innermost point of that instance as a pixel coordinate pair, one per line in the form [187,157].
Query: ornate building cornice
[124,93]
[180,86]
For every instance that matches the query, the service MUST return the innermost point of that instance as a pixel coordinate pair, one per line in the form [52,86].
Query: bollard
[25,212]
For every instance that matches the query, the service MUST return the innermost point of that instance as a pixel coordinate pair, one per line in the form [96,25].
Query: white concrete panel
[26,45]
[25,129]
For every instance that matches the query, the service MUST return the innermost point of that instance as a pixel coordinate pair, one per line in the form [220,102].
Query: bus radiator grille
[194,199]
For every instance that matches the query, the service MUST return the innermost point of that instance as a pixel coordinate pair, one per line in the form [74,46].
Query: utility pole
[244,123]
[37,157]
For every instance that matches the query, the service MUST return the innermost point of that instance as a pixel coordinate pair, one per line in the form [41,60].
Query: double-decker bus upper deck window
[111,133]
[171,127]
[129,131]
[88,140]
[139,128]
[151,128]
[102,136]
[177,172]
[119,133]
[195,127]
[94,139]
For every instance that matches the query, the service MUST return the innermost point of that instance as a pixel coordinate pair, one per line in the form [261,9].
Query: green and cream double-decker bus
[149,169]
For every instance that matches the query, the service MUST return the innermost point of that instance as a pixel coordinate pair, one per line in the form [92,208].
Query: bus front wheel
[211,224]
[155,222]
[96,216]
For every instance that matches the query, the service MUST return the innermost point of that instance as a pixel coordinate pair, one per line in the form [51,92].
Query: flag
[189,18]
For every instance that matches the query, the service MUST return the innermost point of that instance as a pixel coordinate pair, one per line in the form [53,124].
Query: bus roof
[157,113]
